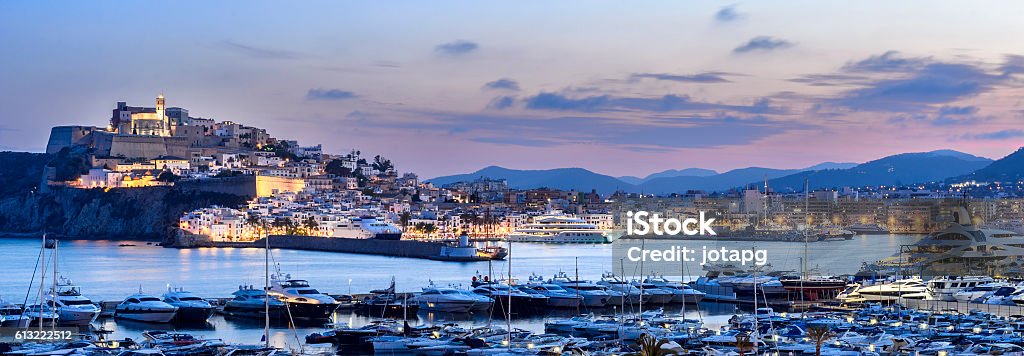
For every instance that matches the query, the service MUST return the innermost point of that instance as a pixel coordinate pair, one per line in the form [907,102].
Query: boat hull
[146,316]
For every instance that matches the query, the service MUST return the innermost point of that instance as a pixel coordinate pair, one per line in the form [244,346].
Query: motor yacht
[191,308]
[42,315]
[74,309]
[558,297]
[681,293]
[978,292]
[629,292]
[559,228]
[451,300]
[366,227]
[11,315]
[885,291]
[594,296]
[502,295]
[145,308]
[303,301]
[657,294]
[945,288]
[249,302]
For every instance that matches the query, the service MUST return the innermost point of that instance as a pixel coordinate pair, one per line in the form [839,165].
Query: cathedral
[142,121]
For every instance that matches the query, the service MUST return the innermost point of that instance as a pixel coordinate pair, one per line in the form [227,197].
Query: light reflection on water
[108,272]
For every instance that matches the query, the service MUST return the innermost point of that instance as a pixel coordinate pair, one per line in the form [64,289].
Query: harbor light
[436,334]
[897,324]
[556,350]
[849,319]
[504,342]
[924,326]
[529,346]
[874,321]
[871,348]
[943,353]
[976,330]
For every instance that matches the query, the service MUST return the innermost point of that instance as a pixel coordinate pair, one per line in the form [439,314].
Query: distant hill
[906,168]
[724,181]
[686,172]
[1009,168]
[560,178]
[831,165]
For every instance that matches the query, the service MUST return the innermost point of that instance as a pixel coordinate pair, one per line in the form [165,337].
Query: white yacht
[146,308]
[250,302]
[74,309]
[885,291]
[560,229]
[593,294]
[630,293]
[366,227]
[558,297]
[41,315]
[303,301]
[978,292]
[451,300]
[191,308]
[945,288]
[681,293]
[11,315]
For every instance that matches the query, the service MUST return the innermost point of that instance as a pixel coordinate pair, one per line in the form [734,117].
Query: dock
[939,306]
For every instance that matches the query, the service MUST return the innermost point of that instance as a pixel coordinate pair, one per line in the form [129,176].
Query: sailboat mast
[42,282]
[54,282]
[807,226]
[266,286]
[508,319]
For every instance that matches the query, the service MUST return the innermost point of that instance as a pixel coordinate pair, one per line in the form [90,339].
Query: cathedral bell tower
[161,115]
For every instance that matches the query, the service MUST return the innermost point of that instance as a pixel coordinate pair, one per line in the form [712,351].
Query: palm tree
[819,334]
[255,223]
[311,226]
[743,344]
[651,346]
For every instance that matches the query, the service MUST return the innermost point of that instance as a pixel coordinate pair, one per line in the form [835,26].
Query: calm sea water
[109,272]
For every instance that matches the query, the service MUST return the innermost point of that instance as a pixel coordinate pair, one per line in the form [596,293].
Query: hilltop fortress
[146,133]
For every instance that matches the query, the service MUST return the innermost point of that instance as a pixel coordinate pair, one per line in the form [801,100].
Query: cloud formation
[456,48]
[256,52]
[329,94]
[503,83]
[762,44]
[890,61]
[934,83]
[665,103]
[997,135]
[728,14]
[638,134]
[706,77]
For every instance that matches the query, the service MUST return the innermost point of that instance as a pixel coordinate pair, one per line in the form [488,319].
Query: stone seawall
[396,248]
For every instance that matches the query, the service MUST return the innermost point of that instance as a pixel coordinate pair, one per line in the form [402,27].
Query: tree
[336,167]
[651,346]
[311,226]
[743,344]
[254,221]
[404,219]
[167,176]
[382,164]
[819,334]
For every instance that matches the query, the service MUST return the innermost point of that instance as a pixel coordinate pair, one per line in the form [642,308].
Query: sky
[620,88]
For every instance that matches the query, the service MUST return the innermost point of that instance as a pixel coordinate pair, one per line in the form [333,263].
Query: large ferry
[366,227]
[560,228]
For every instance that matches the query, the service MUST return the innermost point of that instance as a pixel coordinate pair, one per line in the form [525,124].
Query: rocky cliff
[137,213]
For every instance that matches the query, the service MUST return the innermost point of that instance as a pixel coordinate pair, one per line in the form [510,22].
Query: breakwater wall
[396,248]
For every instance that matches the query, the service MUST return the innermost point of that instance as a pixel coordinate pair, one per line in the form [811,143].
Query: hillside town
[301,190]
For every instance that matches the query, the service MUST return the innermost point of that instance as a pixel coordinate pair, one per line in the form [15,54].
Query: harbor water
[111,270]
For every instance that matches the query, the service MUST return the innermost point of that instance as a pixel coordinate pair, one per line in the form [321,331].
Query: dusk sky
[620,88]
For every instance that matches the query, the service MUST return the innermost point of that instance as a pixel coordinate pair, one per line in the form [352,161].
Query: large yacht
[885,291]
[303,301]
[366,227]
[558,228]
[146,308]
[74,309]
[250,302]
[452,300]
[191,308]
[963,248]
